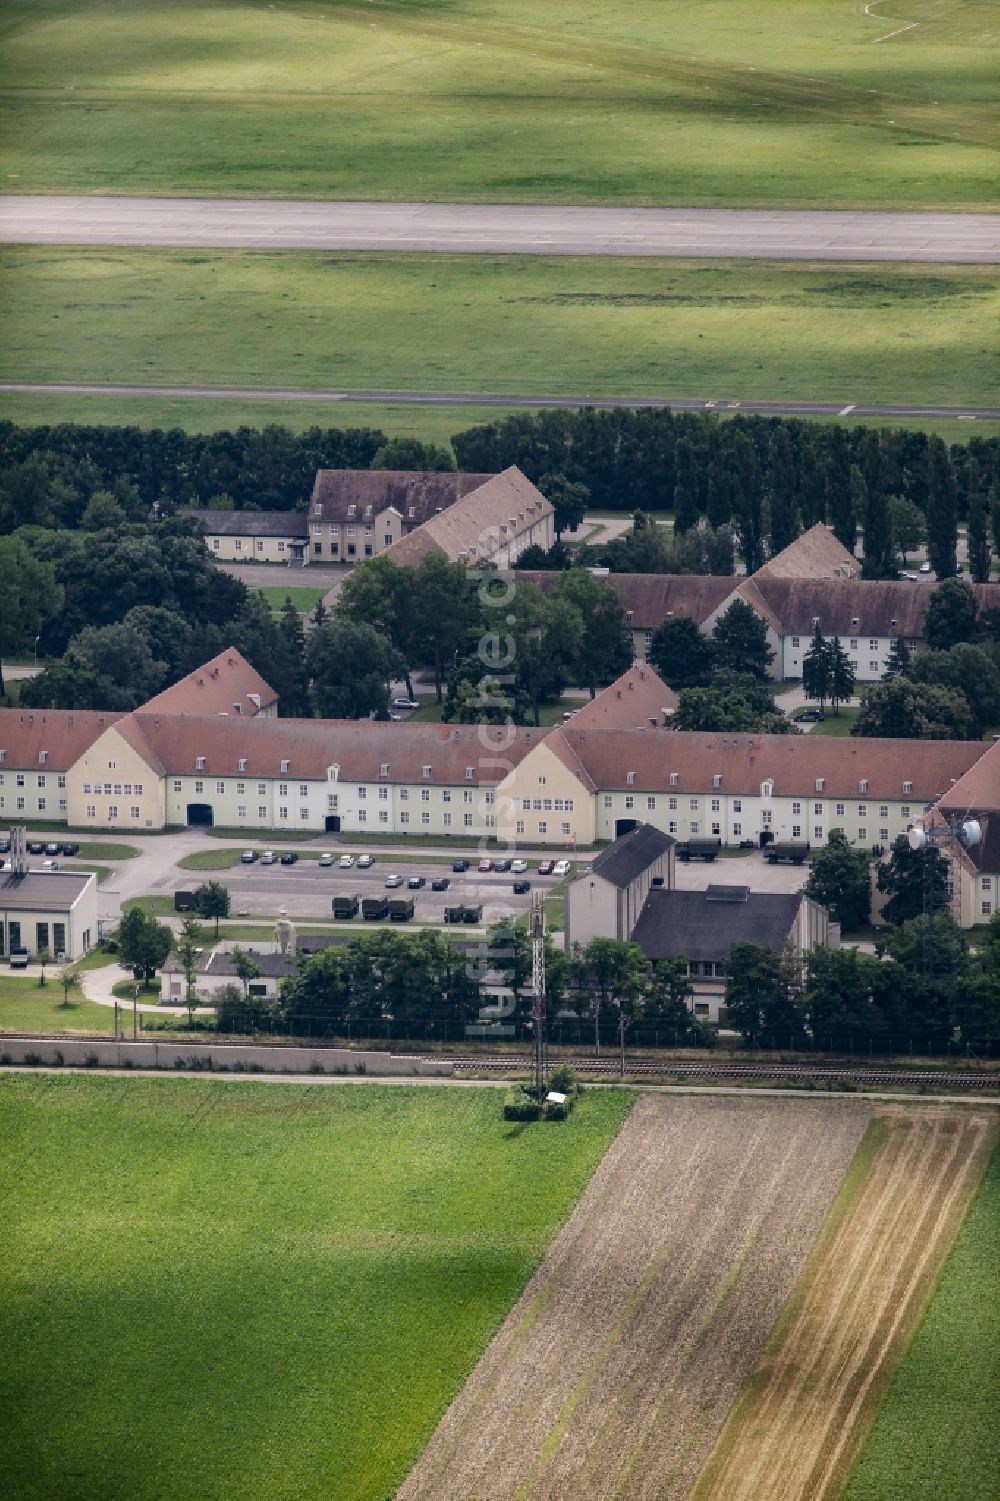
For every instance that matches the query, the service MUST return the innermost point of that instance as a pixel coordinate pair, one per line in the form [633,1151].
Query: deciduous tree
[840,881]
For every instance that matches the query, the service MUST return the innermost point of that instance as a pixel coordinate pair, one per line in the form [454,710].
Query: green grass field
[730,101]
[836,724]
[26,1006]
[213,1290]
[935,1434]
[302,598]
[586,326]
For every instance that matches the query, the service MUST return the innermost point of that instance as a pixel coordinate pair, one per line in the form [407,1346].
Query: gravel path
[615,1371]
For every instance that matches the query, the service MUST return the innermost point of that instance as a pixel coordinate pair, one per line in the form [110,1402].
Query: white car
[518,867]
[925,568]
[561,868]
[405,703]
[345,862]
[269,858]
[326,858]
[391,882]
[365,862]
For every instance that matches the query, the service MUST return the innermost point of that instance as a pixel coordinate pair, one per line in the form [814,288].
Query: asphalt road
[495,399]
[514,229]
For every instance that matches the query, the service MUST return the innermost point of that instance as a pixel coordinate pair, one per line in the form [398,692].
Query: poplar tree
[942,512]
[979,540]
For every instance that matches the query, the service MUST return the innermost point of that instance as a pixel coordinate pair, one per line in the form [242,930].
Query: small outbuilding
[51,910]
[606,900]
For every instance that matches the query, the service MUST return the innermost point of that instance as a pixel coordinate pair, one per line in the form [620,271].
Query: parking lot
[307,889]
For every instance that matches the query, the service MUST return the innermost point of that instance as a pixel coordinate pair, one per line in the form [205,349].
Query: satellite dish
[971,833]
[917,839]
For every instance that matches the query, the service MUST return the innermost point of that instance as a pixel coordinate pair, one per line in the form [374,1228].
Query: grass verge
[531,325]
[26,1006]
[357,1247]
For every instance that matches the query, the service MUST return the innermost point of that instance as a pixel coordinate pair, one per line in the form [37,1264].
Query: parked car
[925,568]
[405,703]
[4,846]
[561,868]
[248,857]
[808,716]
[289,858]
[518,867]
[501,865]
[50,864]
[19,957]
[460,865]
[520,887]
[365,862]
[485,865]
[416,883]
[36,847]
[345,862]
[440,883]
[545,867]
[391,882]
[269,858]
[326,859]
[69,849]
[185,901]
[53,849]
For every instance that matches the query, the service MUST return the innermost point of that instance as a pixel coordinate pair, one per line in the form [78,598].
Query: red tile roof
[63,734]
[223,683]
[629,703]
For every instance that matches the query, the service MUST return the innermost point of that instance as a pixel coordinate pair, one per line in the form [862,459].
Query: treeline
[49,474]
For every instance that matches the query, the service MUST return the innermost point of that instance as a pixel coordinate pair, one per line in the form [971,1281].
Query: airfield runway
[268,224]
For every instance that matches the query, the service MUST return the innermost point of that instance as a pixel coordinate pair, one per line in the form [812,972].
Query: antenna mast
[536,928]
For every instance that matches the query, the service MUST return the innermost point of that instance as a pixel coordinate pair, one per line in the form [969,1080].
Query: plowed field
[797,1430]
[614,1372]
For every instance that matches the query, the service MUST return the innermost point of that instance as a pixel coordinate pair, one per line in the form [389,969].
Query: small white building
[51,910]
[216,969]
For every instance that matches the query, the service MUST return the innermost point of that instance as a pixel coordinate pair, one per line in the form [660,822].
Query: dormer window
[630,777]
[411,511]
[820,783]
[893,624]
[383,770]
[863,785]
[43,756]
[243,763]
[352,511]
[470,772]
[767,788]
[425,771]
[285,765]
[673,778]
[333,772]
[717,779]
[855,622]
[3,754]
[628,616]
[907,787]
[199,763]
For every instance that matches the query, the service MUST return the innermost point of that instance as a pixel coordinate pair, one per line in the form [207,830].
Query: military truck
[698,849]
[401,908]
[346,906]
[787,852]
[374,908]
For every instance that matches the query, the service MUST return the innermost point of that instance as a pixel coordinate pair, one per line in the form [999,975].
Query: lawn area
[90,849]
[730,102]
[542,325]
[935,1434]
[26,1006]
[212,1290]
[302,598]
[836,724]
[224,859]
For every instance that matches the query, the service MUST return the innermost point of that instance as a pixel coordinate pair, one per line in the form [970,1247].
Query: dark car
[415,883]
[808,716]
[4,846]
[520,887]
[36,848]
[289,857]
[71,849]
[53,849]
[545,867]
[502,865]
[460,865]
[440,883]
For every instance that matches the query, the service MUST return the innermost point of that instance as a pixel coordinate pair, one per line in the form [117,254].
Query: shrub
[33,1059]
[91,1061]
[316,1067]
[59,1058]
[563,1079]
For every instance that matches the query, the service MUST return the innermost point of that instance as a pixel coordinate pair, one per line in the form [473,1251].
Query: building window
[904,812]
[446,820]
[519,826]
[796,831]
[404,818]
[283,813]
[446,795]
[543,827]
[467,820]
[854,646]
[20,805]
[862,810]
[220,787]
[333,800]
[303,812]
[716,829]
[261,788]
[629,803]
[113,811]
[404,793]
[840,810]
[737,805]
[693,804]
[383,816]
[672,827]
[737,830]
[60,782]
[765,816]
[883,834]
[199,786]
[282,789]
[818,831]
[362,815]
[694,826]
[564,829]
[796,809]
[91,811]
[425,795]
[425,818]
[651,804]
[41,805]
[986,908]
[261,813]
[716,805]
[862,835]
[607,801]
[241,811]
[467,795]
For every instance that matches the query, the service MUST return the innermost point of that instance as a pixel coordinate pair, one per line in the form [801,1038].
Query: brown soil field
[616,1369]
[799,1424]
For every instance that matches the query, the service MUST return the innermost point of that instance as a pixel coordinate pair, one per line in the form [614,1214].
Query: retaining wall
[221,1056]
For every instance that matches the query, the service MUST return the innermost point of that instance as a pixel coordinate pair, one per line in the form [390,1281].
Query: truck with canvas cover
[346,906]
[401,908]
[787,852]
[698,849]
[374,908]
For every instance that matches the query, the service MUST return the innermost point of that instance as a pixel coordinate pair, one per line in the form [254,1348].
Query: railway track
[610,1067]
